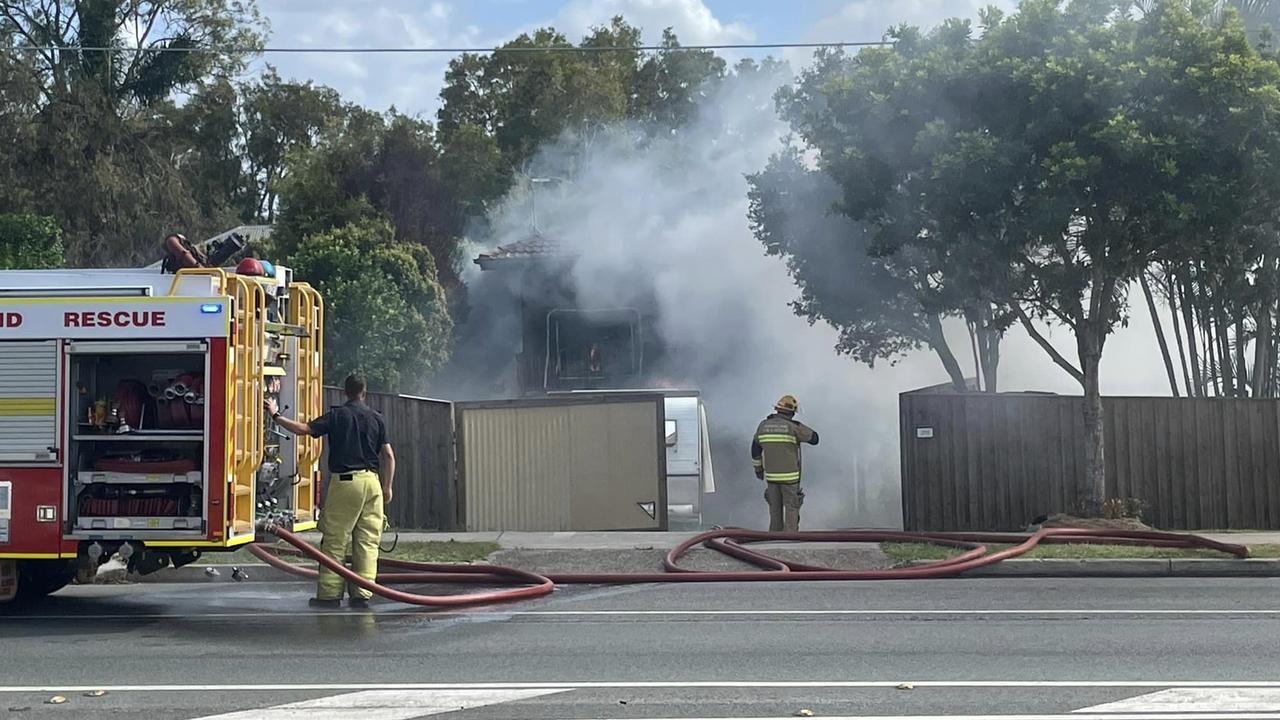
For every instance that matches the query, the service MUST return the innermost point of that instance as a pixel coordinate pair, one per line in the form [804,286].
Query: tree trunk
[1241,370]
[1211,366]
[1160,339]
[973,345]
[1209,334]
[1222,330]
[1189,320]
[1095,464]
[938,341]
[1177,336]
[1272,391]
[1272,353]
[989,347]
[1262,343]
[1090,336]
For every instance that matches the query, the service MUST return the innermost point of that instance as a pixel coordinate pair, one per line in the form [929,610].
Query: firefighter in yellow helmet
[775,454]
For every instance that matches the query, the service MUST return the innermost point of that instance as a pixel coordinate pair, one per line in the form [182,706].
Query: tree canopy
[118,142]
[29,242]
[385,310]
[1040,168]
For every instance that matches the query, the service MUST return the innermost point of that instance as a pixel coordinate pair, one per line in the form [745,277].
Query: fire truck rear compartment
[137,455]
[108,445]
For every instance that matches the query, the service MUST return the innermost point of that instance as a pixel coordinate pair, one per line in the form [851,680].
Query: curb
[1153,567]
[1056,568]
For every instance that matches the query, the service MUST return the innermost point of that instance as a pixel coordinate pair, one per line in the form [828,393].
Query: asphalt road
[1017,647]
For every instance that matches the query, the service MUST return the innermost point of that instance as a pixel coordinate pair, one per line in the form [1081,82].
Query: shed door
[28,401]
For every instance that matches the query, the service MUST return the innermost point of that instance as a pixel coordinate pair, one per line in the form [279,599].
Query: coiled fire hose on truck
[731,542]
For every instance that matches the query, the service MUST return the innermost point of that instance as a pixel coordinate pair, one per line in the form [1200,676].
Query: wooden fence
[995,462]
[421,430]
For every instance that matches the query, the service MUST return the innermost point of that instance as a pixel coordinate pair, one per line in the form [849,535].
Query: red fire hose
[731,542]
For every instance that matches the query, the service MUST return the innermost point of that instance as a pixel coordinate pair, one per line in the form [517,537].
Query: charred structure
[558,342]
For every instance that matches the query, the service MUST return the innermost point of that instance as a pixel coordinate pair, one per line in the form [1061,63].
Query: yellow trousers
[351,518]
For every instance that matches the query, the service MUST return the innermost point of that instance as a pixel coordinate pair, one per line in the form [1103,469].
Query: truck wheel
[38,578]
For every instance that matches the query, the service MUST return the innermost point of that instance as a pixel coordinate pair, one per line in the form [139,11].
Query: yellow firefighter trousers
[784,501]
[352,512]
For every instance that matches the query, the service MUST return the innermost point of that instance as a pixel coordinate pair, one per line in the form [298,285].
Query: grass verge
[434,551]
[907,553]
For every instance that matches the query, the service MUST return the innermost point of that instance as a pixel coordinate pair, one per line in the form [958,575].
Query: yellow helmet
[787,404]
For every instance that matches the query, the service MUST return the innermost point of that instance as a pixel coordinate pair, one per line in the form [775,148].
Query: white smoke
[667,217]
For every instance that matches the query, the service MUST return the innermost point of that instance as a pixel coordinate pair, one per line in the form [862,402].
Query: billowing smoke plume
[666,219]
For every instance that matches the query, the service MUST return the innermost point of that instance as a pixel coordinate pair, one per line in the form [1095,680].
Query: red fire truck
[132,422]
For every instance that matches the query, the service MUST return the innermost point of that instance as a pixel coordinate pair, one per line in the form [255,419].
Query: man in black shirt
[352,515]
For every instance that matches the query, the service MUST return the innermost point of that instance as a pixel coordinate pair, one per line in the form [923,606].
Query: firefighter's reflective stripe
[776,445]
[773,438]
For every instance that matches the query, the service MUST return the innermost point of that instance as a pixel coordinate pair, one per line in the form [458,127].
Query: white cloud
[692,21]
[410,82]
[871,18]
[868,20]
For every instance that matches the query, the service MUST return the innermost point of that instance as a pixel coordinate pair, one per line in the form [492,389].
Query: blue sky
[412,83]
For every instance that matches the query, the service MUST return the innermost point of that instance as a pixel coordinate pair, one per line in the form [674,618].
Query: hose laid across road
[731,542]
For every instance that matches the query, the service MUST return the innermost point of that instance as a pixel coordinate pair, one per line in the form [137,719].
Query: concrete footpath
[642,552]
[666,540]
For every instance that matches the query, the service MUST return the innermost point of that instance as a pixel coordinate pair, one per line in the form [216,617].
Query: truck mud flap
[8,580]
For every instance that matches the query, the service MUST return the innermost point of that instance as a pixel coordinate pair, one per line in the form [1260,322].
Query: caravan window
[587,348]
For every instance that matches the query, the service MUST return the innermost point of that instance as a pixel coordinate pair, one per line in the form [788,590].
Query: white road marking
[1192,700]
[1175,716]
[802,613]
[656,684]
[384,705]
[197,615]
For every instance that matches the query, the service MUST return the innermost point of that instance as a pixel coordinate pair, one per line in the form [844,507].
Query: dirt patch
[650,561]
[1060,520]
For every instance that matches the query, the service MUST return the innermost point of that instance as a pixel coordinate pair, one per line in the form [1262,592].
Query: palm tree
[1256,14]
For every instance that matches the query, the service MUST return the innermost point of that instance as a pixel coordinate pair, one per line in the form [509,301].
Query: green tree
[29,242]
[1224,297]
[204,134]
[276,118]
[671,85]
[879,314]
[386,313]
[1256,14]
[137,69]
[120,164]
[390,167]
[1093,142]
[1143,160]
[117,185]
[19,96]
[524,98]
[882,121]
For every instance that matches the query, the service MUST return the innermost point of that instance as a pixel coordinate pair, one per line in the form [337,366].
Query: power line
[445,50]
